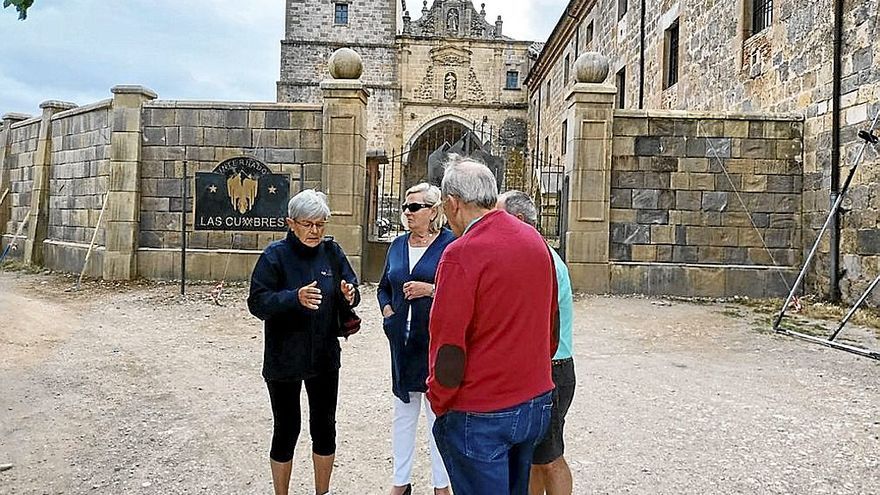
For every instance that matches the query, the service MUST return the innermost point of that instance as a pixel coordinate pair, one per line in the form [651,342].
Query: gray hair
[519,203]
[309,204]
[470,181]
[432,197]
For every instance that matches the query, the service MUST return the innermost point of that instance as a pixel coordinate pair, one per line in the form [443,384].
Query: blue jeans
[491,453]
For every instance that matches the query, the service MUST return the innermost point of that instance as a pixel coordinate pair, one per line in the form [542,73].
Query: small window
[589,33]
[341,13]
[564,146]
[512,80]
[622,5]
[567,70]
[621,88]
[546,149]
[670,75]
[762,15]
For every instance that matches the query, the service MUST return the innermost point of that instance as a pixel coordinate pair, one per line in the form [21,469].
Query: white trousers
[403,440]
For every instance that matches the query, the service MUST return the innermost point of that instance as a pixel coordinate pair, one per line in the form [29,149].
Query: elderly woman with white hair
[298,288]
[405,295]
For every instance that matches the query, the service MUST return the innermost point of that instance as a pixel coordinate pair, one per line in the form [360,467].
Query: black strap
[555,330]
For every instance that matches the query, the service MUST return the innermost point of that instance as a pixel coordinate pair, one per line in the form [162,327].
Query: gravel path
[133,389]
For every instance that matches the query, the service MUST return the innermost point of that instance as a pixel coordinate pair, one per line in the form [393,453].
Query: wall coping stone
[25,123]
[592,88]
[133,89]
[231,105]
[687,114]
[17,117]
[84,109]
[61,105]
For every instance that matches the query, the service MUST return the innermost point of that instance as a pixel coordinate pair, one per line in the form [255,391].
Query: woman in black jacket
[298,288]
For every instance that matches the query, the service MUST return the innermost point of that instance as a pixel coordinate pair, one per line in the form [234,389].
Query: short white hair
[309,205]
[432,197]
[470,181]
[519,203]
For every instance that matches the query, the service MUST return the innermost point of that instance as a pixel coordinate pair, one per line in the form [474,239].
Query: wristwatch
[433,289]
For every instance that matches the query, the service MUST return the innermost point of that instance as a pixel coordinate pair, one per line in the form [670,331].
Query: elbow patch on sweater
[450,366]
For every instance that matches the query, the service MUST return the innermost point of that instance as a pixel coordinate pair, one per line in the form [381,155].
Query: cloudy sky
[76,50]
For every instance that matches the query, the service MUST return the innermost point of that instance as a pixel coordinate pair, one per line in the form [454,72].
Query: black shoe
[408,490]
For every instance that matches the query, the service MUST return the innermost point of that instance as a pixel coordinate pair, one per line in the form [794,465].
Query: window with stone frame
[670,55]
[341,14]
[762,15]
[564,144]
[620,78]
[622,6]
[512,80]
[588,34]
[567,71]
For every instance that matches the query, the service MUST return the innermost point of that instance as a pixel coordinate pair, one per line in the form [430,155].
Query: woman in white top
[405,295]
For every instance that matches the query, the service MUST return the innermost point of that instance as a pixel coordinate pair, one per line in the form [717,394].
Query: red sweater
[494,300]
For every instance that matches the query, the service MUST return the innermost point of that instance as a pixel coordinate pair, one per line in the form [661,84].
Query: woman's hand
[387,312]
[415,290]
[310,296]
[347,291]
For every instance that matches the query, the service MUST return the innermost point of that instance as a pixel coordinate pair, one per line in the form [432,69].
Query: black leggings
[321,391]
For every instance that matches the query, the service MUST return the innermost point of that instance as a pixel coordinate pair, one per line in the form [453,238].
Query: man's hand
[310,296]
[347,291]
[415,290]
[387,311]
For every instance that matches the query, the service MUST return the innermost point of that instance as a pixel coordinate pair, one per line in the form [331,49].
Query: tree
[20,5]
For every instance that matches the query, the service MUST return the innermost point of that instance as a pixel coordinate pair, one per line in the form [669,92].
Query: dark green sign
[241,194]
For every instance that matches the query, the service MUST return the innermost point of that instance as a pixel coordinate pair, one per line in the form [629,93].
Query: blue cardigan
[409,357]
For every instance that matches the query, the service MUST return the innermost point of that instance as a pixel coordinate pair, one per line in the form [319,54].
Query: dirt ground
[134,389]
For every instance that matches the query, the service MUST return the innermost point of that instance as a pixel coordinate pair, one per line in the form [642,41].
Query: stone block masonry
[287,137]
[131,149]
[705,204]
[20,135]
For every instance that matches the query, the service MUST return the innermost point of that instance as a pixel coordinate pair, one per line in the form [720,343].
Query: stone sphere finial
[346,63]
[591,67]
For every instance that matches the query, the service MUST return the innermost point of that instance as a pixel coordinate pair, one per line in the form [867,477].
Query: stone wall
[19,172]
[80,172]
[286,137]
[702,189]
[131,150]
[724,66]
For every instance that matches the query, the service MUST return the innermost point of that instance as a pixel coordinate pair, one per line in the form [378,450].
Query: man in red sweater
[491,339]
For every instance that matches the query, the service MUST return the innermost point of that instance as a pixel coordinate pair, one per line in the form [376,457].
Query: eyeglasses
[414,207]
[311,225]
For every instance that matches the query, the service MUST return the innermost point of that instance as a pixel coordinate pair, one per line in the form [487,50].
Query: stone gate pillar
[343,173]
[5,142]
[38,223]
[122,217]
[589,118]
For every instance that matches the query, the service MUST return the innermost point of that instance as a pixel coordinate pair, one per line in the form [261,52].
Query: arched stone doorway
[432,146]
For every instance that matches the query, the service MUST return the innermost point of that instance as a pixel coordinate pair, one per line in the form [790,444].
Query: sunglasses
[414,207]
